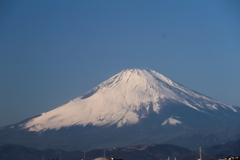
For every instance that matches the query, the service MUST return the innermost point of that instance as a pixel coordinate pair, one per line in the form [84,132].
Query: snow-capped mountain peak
[124,99]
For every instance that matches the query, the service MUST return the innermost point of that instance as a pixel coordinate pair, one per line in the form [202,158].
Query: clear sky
[54,51]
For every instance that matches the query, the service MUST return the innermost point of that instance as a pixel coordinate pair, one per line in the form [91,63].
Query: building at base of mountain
[231,158]
[105,158]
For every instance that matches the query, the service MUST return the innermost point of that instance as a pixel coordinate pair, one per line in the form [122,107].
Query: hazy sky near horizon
[54,51]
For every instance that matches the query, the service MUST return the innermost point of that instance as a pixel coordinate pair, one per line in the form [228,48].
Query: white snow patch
[171,121]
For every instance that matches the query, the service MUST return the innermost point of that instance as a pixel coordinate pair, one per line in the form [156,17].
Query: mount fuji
[135,106]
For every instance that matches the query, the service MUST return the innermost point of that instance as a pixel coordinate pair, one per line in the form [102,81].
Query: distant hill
[18,152]
[222,150]
[143,152]
[140,152]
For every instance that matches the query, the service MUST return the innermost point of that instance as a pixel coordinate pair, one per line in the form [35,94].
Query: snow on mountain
[124,99]
[171,121]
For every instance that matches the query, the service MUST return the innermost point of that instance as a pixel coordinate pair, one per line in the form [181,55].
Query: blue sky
[54,51]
